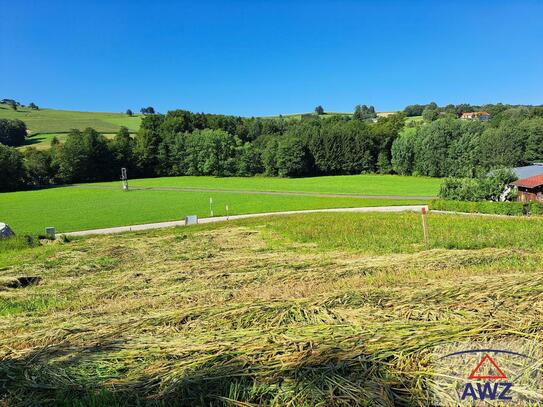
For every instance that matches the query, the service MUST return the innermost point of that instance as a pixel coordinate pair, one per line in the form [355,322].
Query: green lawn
[379,233]
[62,121]
[70,209]
[366,184]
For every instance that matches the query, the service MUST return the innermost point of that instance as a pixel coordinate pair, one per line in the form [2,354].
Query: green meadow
[366,184]
[71,209]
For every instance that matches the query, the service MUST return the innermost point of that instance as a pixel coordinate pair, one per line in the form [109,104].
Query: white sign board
[191,220]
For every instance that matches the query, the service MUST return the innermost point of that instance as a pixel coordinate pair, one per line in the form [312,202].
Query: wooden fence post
[425,226]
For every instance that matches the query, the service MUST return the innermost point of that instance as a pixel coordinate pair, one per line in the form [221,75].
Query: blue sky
[269,57]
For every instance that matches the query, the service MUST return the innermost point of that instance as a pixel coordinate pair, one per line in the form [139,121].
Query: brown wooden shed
[530,189]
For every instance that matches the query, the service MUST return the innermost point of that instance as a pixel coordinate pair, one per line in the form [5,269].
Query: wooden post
[425,226]
[211,206]
[226,212]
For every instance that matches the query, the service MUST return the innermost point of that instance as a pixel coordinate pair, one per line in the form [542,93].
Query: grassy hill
[62,121]
[44,124]
[328,310]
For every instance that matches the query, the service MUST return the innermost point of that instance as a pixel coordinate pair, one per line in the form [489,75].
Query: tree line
[449,147]
[185,143]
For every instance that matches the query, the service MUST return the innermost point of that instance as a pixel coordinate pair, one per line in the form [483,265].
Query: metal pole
[124,179]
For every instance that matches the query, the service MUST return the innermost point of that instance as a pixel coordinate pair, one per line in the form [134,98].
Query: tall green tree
[11,168]
[292,158]
[147,145]
[533,130]
[403,152]
[12,132]
[269,158]
[212,152]
[122,150]
[85,157]
[39,167]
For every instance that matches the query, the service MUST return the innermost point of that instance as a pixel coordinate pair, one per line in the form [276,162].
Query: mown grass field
[42,141]
[71,209]
[366,184]
[62,121]
[304,310]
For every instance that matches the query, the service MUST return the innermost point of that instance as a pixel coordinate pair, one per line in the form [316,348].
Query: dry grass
[240,315]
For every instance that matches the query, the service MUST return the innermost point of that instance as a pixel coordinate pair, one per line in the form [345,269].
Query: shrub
[536,208]
[477,189]
[495,208]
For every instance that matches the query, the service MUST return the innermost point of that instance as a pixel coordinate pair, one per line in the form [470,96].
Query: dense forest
[183,143]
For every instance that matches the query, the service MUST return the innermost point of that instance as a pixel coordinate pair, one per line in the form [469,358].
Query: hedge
[495,208]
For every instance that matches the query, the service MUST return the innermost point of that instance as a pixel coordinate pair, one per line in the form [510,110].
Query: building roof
[471,114]
[528,171]
[530,182]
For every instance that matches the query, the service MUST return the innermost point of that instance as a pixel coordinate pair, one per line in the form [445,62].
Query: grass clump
[18,242]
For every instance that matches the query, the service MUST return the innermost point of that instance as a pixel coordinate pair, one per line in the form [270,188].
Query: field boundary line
[256,192]
[161,225]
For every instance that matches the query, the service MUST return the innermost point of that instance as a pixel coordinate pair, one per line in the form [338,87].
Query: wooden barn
[530,189]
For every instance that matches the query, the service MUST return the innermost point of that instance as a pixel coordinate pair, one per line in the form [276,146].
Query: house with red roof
[529,189]
[481,116]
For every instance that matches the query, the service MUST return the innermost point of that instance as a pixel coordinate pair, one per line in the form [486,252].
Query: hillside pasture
[42,141]
[62,121]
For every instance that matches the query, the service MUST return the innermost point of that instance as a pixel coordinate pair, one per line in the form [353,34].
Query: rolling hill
[62,121]
[44,124]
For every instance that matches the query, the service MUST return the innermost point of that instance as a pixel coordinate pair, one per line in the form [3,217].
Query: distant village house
[481,116]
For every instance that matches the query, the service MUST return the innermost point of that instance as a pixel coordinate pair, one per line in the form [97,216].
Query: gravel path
[147,226]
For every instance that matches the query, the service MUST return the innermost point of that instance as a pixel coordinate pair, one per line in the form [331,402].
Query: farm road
[147,226]
[253,192]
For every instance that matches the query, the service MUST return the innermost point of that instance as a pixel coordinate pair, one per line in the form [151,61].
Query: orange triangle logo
[487,359]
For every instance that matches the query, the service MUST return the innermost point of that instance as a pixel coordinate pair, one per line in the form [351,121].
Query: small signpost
[50,232]
[425,225]
[124,179]
[191,220]
[226,212]
[211,206]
